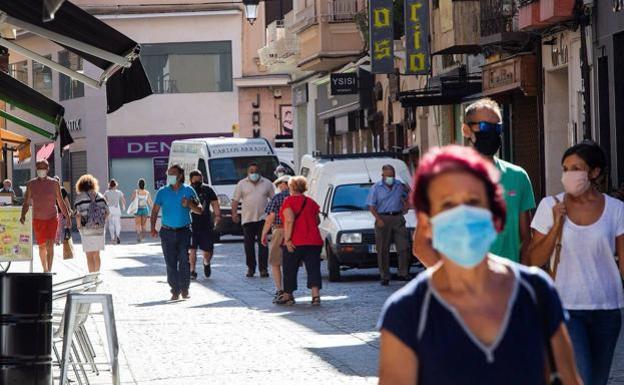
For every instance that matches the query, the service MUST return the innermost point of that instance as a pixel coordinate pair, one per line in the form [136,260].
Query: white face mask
[42,173]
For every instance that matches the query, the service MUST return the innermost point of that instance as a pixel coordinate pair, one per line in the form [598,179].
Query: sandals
[316,301]
[285,299]
[277,295]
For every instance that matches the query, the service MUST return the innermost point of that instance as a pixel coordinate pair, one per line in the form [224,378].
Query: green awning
[25,98]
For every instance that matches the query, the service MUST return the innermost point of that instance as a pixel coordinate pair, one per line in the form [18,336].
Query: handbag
[134,205]
[68,245]
[554,262]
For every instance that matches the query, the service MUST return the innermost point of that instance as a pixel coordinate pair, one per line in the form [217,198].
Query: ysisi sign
[344,84]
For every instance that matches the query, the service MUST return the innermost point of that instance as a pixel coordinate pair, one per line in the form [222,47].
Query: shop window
[127,173]
[68,87]
[188,67]
[42,78]
[19,71]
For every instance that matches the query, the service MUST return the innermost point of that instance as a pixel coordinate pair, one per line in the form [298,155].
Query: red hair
[459,159]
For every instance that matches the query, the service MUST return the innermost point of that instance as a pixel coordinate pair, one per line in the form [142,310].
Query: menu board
[16,239]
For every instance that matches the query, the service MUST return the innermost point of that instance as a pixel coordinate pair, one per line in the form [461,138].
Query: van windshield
[224,171]
[350,197]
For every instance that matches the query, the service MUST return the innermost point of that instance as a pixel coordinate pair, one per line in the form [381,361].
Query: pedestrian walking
[577,234]
[116,203]
[254,192]
[387,201]
[141,204]
[177,200]
[62,221]
[91,214]
[273,223]
[483,128]
[203,228]
[473,318]
[44,193]
[302,241]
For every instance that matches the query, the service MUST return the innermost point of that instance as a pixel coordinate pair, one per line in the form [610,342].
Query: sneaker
[207,270]
[193,275]
[264,274]
[185,294]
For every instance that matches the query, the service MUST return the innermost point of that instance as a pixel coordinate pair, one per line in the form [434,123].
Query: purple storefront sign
[148,146]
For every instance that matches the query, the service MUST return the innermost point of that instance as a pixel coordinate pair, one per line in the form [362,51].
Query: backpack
[96,214]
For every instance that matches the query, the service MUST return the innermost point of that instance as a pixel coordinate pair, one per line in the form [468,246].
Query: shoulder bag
[554,262]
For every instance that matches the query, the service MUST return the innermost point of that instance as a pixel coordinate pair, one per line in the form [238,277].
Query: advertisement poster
[160,171]
[16,240]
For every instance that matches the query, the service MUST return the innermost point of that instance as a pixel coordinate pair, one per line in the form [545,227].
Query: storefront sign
[510,74]
[147,146]
[74,125]
[15,238]
[381,20]
[344,84]
[160,172]
[559,52]
[300,94]
[417,37]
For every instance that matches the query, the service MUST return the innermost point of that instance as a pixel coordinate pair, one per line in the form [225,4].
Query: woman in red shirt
[302,241]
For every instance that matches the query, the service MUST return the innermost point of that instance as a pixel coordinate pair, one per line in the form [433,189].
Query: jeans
[253,234]
[594,335]
[175,246]
[311,257]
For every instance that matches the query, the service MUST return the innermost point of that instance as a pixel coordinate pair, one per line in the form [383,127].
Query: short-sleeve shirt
[519,199]
[173,213]
[254,198]
[206,195]
[449,354]
[275,205]
[587,275]
[387,199]
[113,197]
[305,229]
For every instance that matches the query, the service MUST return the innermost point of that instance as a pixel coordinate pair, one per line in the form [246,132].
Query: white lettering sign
[74,125]
[237,148]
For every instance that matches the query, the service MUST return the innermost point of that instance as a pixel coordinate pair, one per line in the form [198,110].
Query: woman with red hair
[473,318]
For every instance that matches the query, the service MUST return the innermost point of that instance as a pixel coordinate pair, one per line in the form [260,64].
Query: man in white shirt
[254,192]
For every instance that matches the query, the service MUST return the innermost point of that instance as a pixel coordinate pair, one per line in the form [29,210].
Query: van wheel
[333,266]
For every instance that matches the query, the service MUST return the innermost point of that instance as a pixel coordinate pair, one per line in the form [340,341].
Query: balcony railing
[303,18]
[342,10]
[498,16]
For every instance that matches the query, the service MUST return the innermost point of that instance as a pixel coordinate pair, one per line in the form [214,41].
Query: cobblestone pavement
[229,332]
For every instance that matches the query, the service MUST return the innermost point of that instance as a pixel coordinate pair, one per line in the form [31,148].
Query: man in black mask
[202,227]
[482,128]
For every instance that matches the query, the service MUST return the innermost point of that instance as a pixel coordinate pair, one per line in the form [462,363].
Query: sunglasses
[487,126]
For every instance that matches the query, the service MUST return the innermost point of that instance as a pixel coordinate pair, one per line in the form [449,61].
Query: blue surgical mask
[254,177]
[464,234]
[389,180]
[172,179]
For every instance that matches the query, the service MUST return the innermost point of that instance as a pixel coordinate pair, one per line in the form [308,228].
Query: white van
[340,185]
[223,162]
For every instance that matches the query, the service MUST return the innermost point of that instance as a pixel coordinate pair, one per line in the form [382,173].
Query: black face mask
[197,184]
[487,142]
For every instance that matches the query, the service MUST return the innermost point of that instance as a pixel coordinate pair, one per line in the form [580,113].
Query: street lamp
[251,10]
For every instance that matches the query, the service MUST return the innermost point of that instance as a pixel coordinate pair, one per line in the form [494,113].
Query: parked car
[223,162]
[340,185]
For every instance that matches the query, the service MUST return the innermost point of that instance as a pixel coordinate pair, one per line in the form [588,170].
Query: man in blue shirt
[177,200]
[387,201]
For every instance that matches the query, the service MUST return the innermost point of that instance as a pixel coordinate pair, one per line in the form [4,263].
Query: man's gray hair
[483,104]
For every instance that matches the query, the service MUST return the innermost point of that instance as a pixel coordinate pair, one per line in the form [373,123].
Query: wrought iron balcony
[499,23]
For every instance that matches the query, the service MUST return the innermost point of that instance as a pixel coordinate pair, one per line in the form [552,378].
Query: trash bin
[26,328]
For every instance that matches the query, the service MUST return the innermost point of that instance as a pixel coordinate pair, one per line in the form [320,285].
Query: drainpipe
[583,19]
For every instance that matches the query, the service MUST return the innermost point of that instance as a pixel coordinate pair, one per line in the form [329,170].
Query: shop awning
[45,152]
[12,138]
[442,90]
[25,98]
[82,33]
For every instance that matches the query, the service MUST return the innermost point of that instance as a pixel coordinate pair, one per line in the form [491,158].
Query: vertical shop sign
[160,171]
[417,37]
[381,36]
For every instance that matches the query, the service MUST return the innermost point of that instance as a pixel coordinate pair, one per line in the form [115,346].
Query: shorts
[275,252]
[142,212]
[202,239]
[45,230]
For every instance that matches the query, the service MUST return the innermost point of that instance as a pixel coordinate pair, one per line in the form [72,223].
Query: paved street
[230,333]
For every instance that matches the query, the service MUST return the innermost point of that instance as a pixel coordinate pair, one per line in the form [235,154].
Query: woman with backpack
[578,233]
[302,241]
[91,213]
